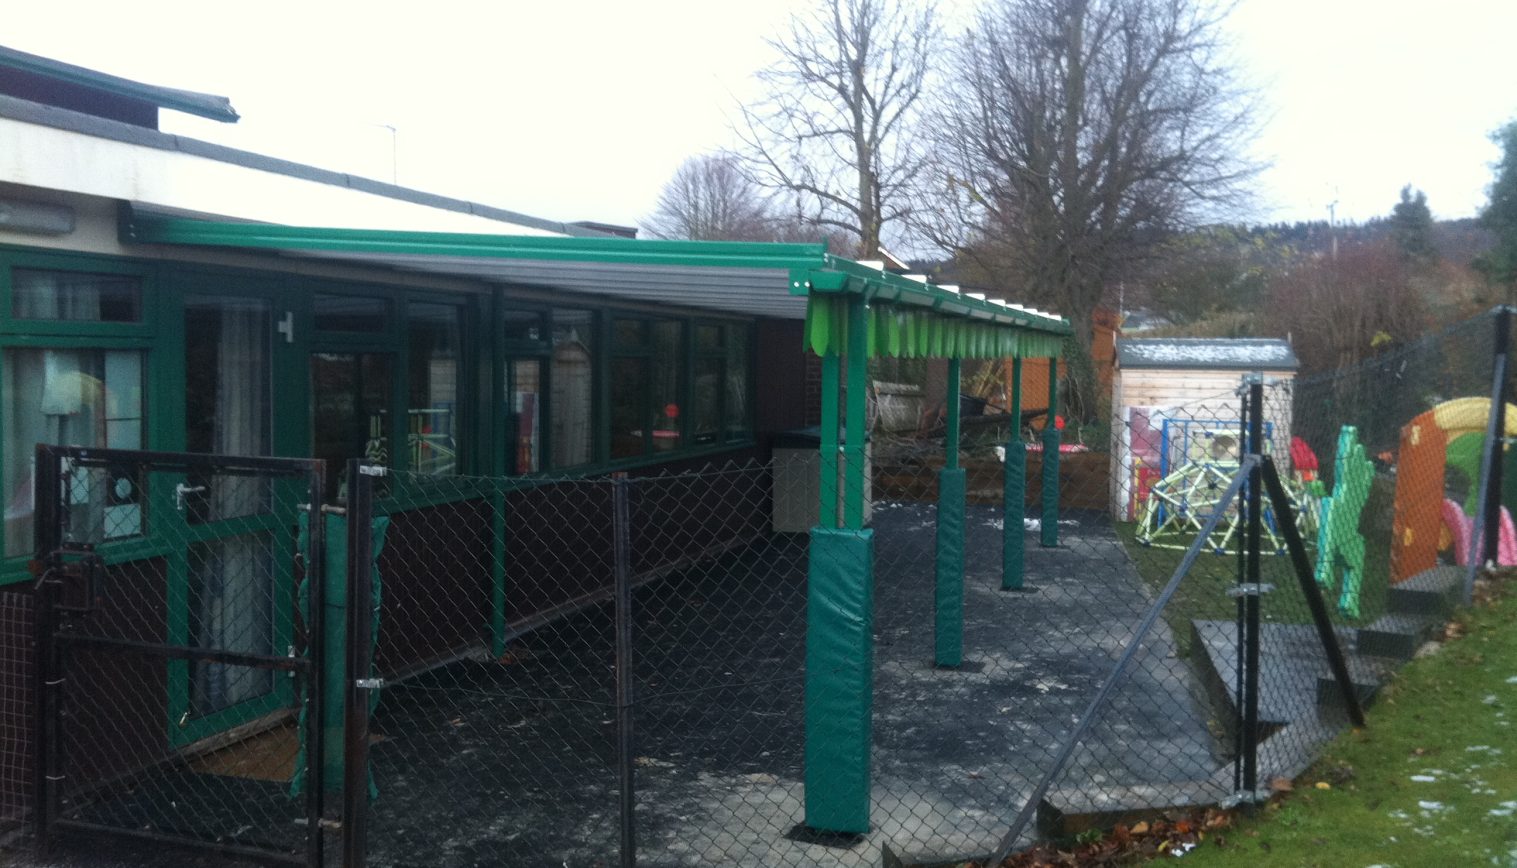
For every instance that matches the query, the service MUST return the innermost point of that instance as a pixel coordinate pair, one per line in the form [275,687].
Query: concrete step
[1066,812]
[1396,636]
[1430,593]
[1368,675]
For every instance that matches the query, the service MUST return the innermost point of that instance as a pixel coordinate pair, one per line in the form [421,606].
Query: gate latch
[369,683]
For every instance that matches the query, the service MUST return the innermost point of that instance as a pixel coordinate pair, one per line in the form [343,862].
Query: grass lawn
[1432,780]
[1203,592]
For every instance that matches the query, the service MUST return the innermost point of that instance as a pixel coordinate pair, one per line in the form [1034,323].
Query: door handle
[181,491]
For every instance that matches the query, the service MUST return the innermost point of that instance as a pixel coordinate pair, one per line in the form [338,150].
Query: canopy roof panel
[760,279]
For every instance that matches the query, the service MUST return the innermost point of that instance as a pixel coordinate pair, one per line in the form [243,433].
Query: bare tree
[711,199]
[1074,133]
[834,129]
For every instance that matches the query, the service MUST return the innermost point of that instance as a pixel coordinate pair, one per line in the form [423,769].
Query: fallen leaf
[1324,785]
[1281,785]
[1140,828]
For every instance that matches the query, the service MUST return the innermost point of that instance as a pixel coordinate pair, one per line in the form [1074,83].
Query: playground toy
[1459,531]
[1178,505]
[1449,434]
[1340,545]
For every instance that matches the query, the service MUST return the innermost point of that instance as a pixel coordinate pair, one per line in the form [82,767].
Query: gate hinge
[1250,590]
[372,470]
[369,683]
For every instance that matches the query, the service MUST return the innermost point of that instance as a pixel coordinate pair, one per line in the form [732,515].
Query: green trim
[142,228]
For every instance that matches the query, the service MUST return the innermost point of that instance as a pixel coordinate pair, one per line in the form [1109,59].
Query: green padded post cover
[948,598]
[1013,531]
[334,647]
[839,679]
[1048,533]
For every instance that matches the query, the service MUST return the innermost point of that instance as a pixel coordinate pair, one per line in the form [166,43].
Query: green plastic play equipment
[1340,545]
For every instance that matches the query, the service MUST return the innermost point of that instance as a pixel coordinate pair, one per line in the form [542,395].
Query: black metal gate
[179,599]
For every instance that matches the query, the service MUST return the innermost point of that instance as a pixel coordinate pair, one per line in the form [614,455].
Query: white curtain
[235,574]
[51,396]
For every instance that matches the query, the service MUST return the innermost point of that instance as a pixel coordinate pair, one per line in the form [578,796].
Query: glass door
[230,584]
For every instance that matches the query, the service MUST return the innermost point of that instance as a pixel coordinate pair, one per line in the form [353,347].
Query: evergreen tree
[1500,214]
[1412,227]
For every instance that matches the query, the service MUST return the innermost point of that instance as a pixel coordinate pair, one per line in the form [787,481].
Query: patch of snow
[1490,699]
[1430,807]
[1424,779]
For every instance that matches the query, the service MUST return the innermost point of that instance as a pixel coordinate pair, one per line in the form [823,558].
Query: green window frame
[28,334]
[409,442]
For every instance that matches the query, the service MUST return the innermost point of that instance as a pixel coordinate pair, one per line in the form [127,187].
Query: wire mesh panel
[177,674]
[16,708]
[493,739]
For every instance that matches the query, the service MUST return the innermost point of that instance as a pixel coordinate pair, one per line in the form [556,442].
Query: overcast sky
[582,110]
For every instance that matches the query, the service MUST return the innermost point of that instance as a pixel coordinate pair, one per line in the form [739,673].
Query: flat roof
[205,105]
[1211,354]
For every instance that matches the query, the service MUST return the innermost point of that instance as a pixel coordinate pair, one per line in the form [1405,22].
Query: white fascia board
[55,159]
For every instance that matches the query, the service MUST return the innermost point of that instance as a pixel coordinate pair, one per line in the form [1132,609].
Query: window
[647,387]
[70,397]
[433,431]
[719,398]
[572,398]
[76,297]
[350,411]
[736,411]
[524,397]
[350,313]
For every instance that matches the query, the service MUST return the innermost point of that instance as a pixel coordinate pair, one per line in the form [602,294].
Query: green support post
[1014,492]
[840,612]
[853,427]
[1048,533]
[948,597]
[828,485]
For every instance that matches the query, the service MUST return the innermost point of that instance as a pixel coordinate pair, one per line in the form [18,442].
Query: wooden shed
[1173,397]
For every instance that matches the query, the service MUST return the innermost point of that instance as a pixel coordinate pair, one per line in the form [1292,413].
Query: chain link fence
[625,669]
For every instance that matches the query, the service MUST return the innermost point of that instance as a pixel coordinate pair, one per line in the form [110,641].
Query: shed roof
[1207,354]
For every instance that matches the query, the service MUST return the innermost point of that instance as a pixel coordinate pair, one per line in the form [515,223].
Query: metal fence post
[45,537]
[360,579]
[1499,366]
[1252,589]
[315,569]
[621,531]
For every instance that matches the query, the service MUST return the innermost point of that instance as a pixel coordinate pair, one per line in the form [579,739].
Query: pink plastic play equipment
[1461,527]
